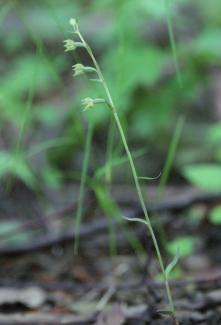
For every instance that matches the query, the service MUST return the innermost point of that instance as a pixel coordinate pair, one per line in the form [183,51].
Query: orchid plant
[89,103]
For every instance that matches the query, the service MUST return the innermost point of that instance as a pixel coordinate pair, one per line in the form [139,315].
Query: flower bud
[74,24]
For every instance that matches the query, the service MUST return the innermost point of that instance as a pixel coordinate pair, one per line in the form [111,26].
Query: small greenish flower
[88,103]
[91,102]
[74,24]
[78,69]
[69,45]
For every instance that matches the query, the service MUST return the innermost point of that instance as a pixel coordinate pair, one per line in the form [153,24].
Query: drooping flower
[88,103]
[91,102]
[69,45]
[78,69]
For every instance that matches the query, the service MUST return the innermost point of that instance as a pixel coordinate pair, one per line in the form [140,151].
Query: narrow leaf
[149,178]
[173,263]
[96,80]
[137,220]
[165,312]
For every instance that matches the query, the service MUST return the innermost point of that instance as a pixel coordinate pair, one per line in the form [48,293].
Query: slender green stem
[170,156]
[109,153]
[141,199]
[82,185]
[134,172]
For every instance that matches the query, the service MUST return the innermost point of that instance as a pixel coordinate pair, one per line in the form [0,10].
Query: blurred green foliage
[215,215]
[184,244]
[40,101]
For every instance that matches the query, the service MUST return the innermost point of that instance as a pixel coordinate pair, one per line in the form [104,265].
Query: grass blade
[171,154]
[173,43]
[79,212]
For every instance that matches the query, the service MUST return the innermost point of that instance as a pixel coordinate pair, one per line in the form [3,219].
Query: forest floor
[42,282]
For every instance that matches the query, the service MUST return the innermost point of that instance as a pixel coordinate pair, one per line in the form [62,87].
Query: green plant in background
[204,176]
[215,215]
[89,103]
[184,244]
[172,150]
[82,185]
[173,43]
[113,212]
[170,155]
[207,176]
